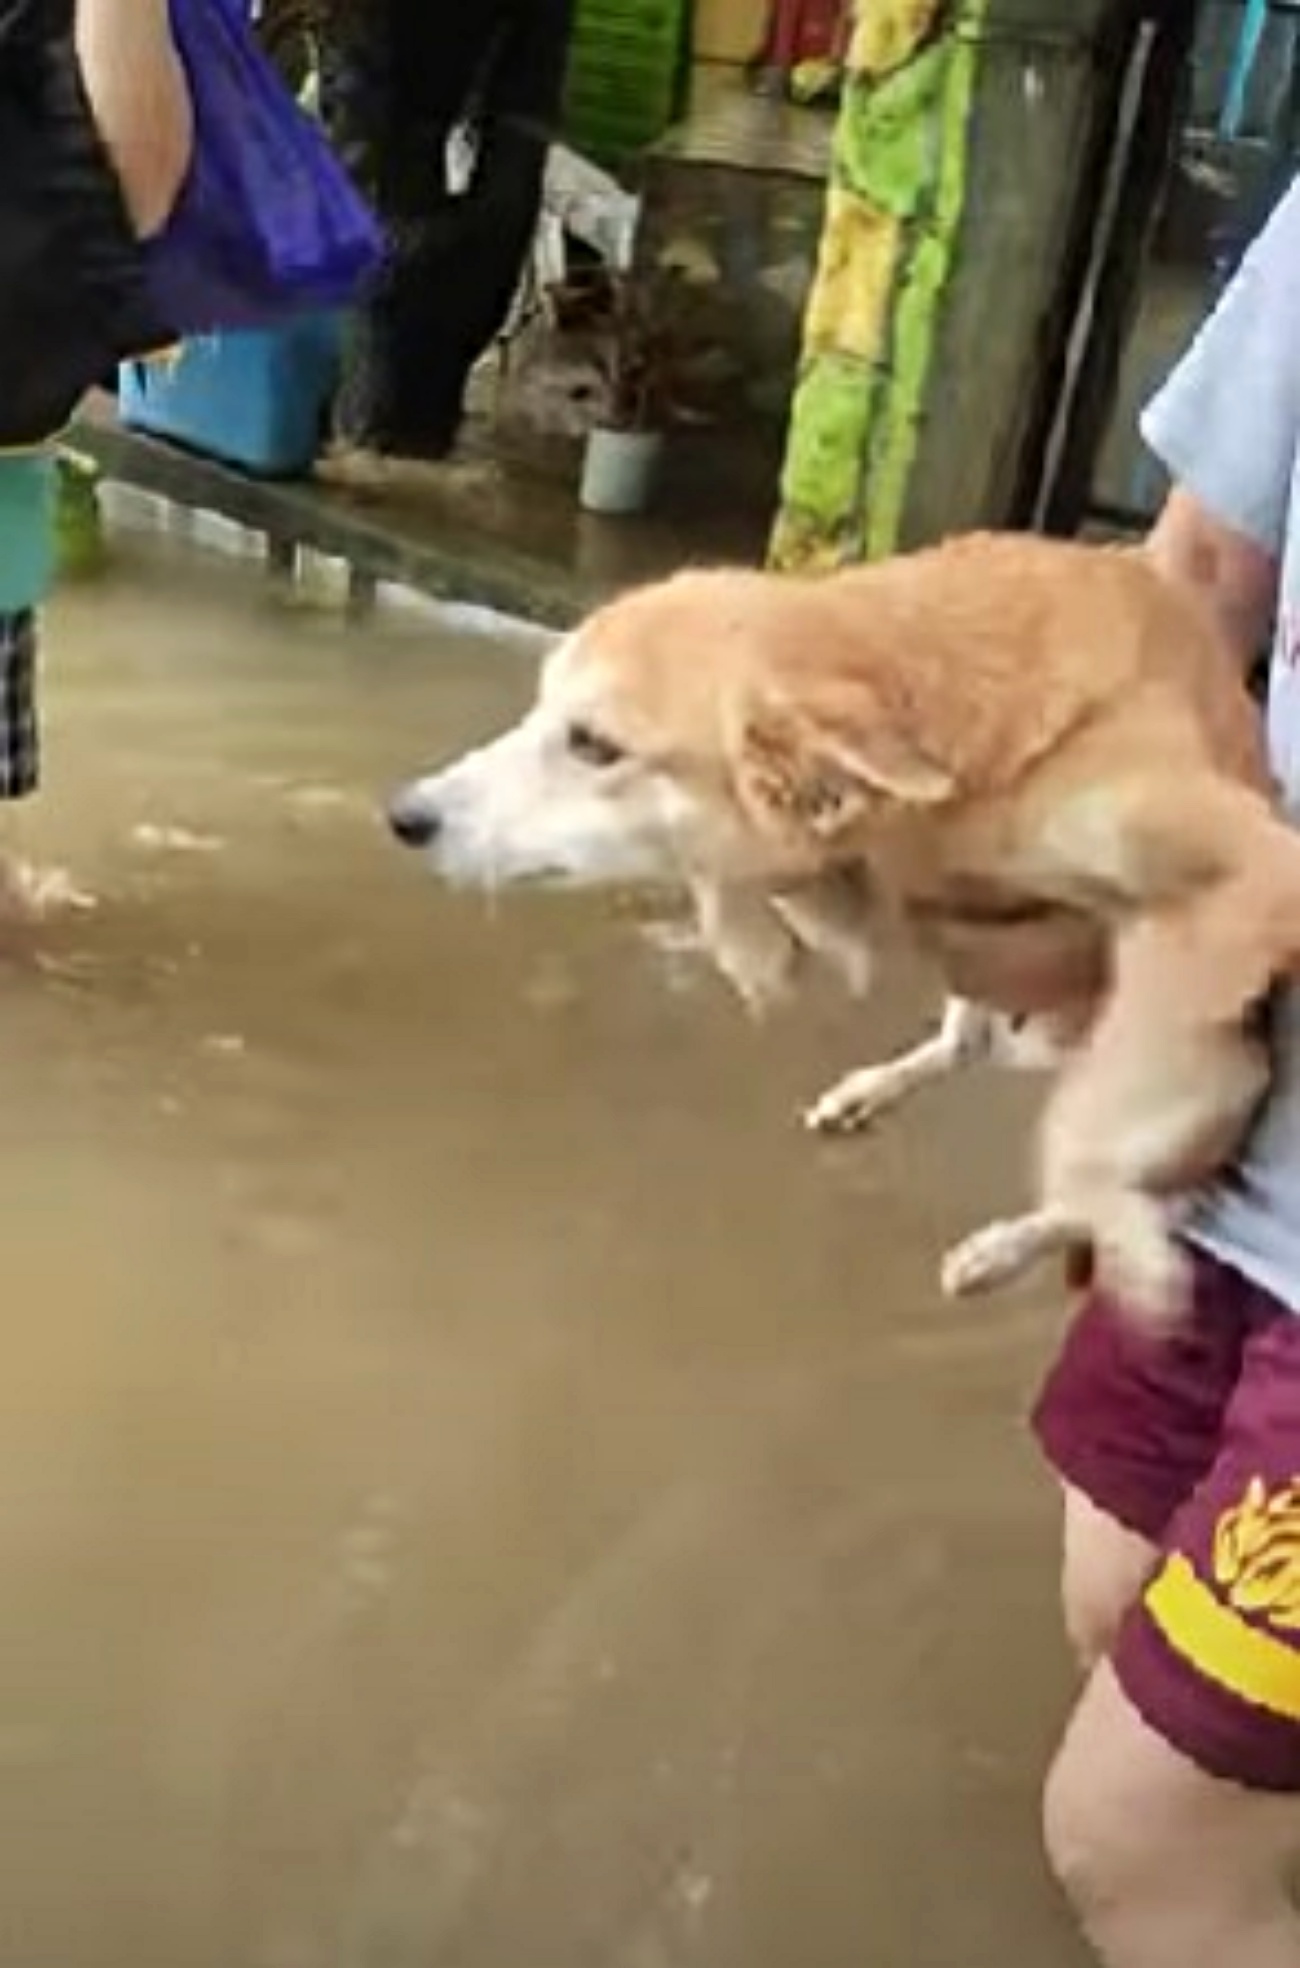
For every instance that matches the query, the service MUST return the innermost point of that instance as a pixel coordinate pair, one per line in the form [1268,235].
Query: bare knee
[1164,1866]
[1093,1857]
[1114,1862]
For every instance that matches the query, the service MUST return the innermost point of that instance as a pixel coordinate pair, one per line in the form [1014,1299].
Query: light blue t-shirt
[26,530]
[1227,428]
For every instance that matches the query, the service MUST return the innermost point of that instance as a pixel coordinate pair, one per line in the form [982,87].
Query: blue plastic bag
[268,223]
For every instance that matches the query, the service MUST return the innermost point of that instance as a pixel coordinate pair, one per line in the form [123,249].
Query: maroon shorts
[1194,1441]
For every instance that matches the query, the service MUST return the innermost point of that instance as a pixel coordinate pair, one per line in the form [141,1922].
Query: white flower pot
[619,471]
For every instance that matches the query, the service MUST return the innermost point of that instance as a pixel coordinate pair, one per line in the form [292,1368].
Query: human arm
[1226,426]
[1231,575]
[136,84]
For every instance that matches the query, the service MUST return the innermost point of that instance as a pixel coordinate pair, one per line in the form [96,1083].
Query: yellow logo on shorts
[1257,1554]
[1241,1631]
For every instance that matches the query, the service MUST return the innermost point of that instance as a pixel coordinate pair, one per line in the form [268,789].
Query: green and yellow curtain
[894,209]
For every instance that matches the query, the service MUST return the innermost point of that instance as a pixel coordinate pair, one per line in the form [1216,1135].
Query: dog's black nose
[414,824]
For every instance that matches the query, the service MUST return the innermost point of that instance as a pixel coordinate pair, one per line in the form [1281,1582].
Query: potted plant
[624,448]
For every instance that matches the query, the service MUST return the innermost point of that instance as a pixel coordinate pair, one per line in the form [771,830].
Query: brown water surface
[478,1487]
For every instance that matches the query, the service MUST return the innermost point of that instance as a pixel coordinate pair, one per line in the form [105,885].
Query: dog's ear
[806,769]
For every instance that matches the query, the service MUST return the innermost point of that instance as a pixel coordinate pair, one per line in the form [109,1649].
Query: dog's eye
[592,747]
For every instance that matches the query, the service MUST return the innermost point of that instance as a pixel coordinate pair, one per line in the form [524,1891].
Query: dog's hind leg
[1157,843]
[997,1254]
[1161,1093]
[1116,1235]
[964,1036]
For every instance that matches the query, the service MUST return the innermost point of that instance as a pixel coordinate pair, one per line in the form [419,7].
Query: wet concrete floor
[478,1488]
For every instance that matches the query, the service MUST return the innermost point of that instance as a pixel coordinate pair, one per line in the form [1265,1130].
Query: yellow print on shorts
[1257,1554]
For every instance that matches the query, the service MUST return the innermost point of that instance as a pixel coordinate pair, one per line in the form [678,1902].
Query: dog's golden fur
[1039,754]
[990,711]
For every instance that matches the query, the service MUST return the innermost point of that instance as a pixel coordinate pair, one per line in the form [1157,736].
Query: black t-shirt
[74,298]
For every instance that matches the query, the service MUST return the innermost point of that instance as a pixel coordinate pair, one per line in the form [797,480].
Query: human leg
[19,724]
[1172,1814]
[1165,1865]
[1131,1422]
[1104,1566]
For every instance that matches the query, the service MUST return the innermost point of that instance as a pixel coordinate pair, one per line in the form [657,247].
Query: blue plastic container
[257,398]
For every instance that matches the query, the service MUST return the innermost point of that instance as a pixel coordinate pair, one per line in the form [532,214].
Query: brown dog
[1038,754]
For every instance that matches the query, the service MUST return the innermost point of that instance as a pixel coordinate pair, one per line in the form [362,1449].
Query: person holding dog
[1172,1811]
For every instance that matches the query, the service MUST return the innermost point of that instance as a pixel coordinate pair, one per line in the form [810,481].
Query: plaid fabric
[19,734]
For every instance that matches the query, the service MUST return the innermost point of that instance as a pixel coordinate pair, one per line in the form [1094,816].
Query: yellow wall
[729,30]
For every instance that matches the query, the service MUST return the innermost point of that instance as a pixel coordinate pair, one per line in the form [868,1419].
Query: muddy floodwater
[478,1487]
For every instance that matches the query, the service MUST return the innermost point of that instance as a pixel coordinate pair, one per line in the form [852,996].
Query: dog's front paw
[853,1103]
[995,1255]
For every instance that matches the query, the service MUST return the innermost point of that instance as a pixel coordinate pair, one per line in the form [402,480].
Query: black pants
[399,75]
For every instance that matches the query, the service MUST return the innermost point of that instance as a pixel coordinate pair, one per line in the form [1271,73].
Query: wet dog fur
[1037,755]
